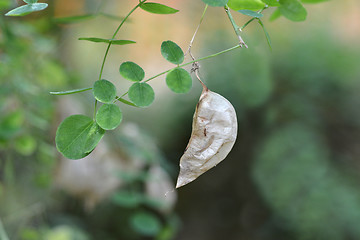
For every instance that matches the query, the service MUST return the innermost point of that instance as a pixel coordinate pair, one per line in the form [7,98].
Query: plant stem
[235,26]
[195,60]
[3,235]
[197,29]
[95,109]
[252,19]
[115,33]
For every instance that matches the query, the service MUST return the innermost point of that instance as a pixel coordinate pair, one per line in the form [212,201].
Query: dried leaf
[213,135]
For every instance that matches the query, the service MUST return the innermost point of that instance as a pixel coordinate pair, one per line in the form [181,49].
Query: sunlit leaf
[251,13]
[216,3]
[179,80]
[313,1]
[172,52]
[275,15]
[292,10]
[103,40]
[77,136]
[157,8]
[145,223]
[246,4]
[271,3]
[109,116]
[71,91]
[131,71]
[26,9]
[104,91]
[141,94]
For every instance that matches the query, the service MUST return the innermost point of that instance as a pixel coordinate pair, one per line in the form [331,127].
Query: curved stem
[115,33]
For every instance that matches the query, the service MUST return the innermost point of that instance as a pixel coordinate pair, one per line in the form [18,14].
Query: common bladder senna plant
[215,124]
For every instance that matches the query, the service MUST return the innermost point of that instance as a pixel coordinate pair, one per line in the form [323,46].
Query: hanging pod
[214,132]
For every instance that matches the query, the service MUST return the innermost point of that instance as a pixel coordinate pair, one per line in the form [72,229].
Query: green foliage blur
[293,172]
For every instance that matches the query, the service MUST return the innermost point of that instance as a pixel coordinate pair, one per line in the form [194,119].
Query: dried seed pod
[213,135]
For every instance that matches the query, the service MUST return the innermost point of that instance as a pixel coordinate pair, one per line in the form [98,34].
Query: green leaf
[145,223]
[292,10]
[246,4]
[109,116]
[157,8]
[313,1]
[131,71]
[103,40]
[141,94]
[25,145]
[179,80]
[77,136]
[11,123]
[251,13]
[26,9]
[172,52]
[30,1]
[71,91]
[271,3]
[127,199]
[216,3]
[266,33]
[275,15]
[104,91]
[74,19]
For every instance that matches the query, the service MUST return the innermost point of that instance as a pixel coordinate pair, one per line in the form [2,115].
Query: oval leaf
[26,9]
[109,116]
[179,80]
[216,3]
[104,91]
[293,10]
[172,52]
[157,8]
[251,13]
[131,71]
[77,136]
[103,40]
[145,223]
[246,4]
[141,94]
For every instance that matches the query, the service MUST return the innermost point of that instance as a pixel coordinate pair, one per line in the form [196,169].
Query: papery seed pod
[214,132]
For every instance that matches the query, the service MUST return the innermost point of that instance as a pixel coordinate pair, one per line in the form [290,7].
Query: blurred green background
[294,172]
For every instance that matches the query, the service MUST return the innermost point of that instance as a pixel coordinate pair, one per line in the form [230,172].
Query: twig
[235,26]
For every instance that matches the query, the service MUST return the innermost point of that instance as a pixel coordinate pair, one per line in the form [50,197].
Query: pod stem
[205,88]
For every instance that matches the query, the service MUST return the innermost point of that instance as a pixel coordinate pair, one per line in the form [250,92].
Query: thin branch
[235,26]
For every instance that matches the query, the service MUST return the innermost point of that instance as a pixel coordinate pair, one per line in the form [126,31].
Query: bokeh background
[294,172]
